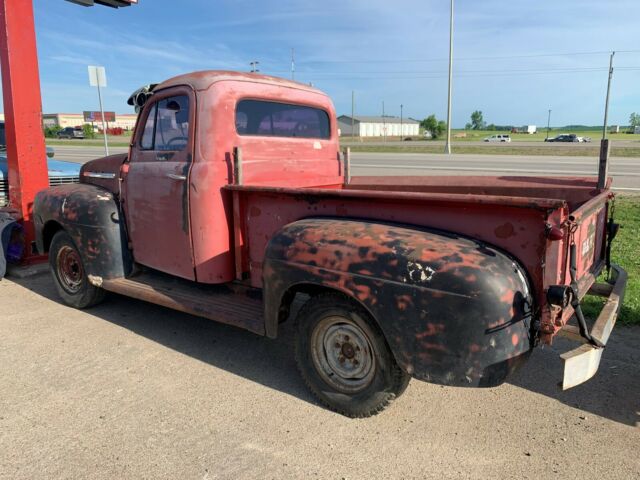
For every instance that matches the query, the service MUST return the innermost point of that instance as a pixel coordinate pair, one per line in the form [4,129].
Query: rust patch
[505,231]
[255,211]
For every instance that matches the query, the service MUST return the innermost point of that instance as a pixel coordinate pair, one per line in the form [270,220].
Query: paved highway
[625,170]
[626,143]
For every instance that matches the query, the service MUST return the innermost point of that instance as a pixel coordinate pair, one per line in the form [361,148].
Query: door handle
[164,157]
[173,176]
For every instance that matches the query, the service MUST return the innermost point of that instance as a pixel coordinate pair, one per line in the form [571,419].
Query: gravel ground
[132,390]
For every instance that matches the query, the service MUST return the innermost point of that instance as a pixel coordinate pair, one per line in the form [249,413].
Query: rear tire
[344,359]
[69,274]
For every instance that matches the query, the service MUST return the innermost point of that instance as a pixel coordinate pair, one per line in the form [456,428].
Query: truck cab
[234,201]
[176,172]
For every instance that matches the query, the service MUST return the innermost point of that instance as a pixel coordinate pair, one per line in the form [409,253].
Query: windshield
[3,140]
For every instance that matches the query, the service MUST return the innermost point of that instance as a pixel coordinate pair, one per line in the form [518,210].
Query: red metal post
[23,111]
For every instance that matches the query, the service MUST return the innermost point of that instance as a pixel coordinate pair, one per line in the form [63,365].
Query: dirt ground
[132,390]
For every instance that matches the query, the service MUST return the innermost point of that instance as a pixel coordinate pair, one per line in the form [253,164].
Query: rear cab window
[274,119]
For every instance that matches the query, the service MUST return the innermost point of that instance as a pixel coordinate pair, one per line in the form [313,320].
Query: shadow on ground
[614,393]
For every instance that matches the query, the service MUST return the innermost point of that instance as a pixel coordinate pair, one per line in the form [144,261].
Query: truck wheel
[69,274]
[344,358]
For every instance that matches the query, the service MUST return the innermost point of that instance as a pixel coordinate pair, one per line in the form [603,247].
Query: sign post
[98,78]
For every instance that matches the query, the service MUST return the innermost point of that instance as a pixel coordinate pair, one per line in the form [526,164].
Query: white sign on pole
[97,76]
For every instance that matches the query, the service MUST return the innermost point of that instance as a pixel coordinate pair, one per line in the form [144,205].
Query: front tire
[344,358]
[69,274]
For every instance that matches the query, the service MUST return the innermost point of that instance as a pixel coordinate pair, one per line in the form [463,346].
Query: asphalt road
[633,142]
[625,170]
[133,390]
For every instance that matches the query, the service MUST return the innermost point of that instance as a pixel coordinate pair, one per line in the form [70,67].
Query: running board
[231,304]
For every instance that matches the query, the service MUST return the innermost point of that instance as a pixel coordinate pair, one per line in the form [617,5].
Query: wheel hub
[342,354]
[70,271]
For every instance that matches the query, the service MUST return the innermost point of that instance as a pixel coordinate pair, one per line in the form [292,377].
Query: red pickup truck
[234,201]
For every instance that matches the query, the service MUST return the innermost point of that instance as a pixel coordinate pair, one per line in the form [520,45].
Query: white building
[386,126]
[126,121]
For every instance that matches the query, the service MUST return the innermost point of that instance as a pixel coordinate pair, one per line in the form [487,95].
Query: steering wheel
[178,139]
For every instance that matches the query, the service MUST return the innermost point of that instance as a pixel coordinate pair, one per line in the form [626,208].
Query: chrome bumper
[580,364]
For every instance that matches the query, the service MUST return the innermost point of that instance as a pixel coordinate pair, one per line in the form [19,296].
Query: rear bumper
[580,364]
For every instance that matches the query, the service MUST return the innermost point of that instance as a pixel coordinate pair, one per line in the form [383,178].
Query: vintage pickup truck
[234,203]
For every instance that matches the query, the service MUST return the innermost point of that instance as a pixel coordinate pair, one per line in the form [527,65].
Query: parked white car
[498,138]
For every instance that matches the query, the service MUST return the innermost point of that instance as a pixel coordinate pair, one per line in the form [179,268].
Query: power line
[391,75]
[493,57]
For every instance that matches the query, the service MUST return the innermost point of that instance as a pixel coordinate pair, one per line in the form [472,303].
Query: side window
[167,125]
[172,123]
[241,122]
[147,137]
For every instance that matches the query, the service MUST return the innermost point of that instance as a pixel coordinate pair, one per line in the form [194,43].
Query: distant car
[565,137]
[71,132]
[59,172]
[498,138]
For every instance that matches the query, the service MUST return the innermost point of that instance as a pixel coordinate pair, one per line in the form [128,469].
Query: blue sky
[514,60]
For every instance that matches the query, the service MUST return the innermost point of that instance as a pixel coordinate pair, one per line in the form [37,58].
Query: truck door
[156,185]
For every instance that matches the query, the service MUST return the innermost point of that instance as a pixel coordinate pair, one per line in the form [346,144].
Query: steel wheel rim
[70,270]
[343,354]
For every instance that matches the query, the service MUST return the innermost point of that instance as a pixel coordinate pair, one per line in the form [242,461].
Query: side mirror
[50,152]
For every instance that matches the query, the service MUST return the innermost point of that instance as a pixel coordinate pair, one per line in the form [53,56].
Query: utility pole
[603,161]
[384,125]
[293,65]
[447,146]
[353,110]
[401,132]
[254,66]
[606,104]
[548,123]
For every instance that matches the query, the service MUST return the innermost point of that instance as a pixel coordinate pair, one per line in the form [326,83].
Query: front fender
[453,310]
[91,215]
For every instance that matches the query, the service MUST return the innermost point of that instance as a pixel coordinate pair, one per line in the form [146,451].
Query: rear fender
[453,310]
[92,217]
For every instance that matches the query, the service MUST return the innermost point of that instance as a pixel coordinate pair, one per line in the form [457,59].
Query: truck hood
[104,172]
[56,168]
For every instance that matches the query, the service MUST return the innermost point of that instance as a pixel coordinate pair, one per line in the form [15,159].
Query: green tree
[433,125]
[88,131]
[52,131]
[634,120]
[477,122]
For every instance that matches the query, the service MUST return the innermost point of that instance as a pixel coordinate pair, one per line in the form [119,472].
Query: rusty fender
[453,310]
[91,215]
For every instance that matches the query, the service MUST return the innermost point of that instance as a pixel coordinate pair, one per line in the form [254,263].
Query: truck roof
[202,80]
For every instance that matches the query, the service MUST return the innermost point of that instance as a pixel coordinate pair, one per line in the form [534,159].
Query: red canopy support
[26,151]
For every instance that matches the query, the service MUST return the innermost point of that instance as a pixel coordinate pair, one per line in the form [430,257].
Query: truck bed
[514,214]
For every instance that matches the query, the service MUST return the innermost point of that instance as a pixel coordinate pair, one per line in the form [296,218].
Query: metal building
[386,126]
